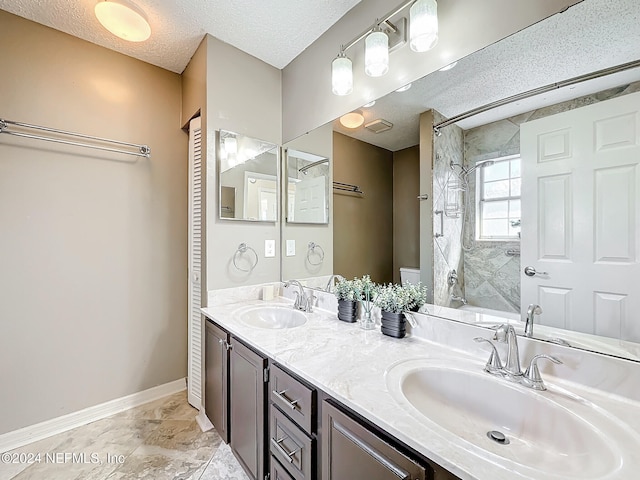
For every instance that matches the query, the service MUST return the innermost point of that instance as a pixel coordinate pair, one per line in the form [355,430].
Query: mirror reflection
[489,213]
[248,178]
[307,187]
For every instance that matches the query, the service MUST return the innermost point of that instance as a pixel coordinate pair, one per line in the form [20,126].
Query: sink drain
[498,437]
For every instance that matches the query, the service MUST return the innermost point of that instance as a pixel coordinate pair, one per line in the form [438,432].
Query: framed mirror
[247,178]
[307,187]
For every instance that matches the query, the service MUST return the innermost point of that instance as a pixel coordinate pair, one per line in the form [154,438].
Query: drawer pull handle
[288,455]
[292,404]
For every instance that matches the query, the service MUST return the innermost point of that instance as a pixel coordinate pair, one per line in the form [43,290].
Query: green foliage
[396,298]
[356,289]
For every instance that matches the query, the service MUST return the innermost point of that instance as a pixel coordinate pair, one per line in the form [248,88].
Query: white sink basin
[273,317]
[550,435]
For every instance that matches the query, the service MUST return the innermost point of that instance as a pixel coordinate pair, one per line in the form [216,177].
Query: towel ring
[311,250]
[242,248]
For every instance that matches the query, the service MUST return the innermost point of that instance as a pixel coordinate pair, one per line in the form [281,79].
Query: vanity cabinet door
[350,451]
[216,383]
[247,408]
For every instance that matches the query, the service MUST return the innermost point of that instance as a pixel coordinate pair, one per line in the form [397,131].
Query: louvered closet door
[195,264]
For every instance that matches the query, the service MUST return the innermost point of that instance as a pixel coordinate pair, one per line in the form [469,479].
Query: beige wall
[363,224]
[93,249]
[243,96]
[318,142]
[465,27]
[406,210]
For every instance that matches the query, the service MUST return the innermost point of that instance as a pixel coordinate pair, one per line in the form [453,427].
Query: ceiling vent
[378,126]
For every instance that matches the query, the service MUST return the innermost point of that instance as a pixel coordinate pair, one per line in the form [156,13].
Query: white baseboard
[33,433]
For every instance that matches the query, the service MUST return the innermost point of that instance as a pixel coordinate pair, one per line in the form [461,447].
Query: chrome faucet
[302,302]
[532,311]
[457,298]
[330,282]
[507,334]
[531,378]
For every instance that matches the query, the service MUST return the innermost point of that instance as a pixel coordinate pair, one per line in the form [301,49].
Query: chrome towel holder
[314,248]
[242,249]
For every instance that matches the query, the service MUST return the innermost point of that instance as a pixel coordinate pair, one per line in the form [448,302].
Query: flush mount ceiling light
[124,19]
[423,25]
[370,104]
[384,37]
[352,120]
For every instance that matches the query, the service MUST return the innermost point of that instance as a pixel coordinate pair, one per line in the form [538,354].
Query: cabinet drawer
[291,446]
[294,398]
[278,472]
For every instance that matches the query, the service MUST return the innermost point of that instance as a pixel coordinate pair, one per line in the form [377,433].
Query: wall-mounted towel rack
[7,125]
[347,187]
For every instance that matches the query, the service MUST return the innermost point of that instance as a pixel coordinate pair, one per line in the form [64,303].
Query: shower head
[484,163]
[465,172]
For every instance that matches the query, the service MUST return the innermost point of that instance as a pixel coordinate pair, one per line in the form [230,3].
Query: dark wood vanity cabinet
[216,383]
[247,408]
[349,451]
[280,427]
[292,426]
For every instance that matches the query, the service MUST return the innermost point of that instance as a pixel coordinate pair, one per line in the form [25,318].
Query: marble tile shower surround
[448,255]
[159,440]
[492,279]
[350,364]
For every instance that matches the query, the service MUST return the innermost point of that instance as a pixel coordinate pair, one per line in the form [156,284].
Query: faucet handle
[494,365]
[532,377]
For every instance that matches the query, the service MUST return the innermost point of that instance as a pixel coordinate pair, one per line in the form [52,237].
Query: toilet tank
[411,275]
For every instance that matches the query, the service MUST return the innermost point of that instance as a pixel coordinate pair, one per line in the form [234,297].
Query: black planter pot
[393,324]
[347,310]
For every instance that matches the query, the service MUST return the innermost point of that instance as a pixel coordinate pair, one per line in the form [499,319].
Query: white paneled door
[310,200]
[581,218]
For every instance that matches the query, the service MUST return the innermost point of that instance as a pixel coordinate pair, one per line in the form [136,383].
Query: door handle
[441,233]
[530,271]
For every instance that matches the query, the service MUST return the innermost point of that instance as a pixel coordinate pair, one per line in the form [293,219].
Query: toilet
[411,275]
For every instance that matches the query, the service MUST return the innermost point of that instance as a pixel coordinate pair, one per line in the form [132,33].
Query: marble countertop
[350,364]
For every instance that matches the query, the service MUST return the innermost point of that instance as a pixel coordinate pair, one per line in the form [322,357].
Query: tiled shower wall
[491,278]
[447,250]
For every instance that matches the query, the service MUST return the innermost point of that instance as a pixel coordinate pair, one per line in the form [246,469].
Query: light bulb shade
[123,19]
[341,76]
[376,54]
[352,120]
[423,25]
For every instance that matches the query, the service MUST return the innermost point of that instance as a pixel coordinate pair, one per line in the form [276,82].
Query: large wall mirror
[248,178]
[494,203]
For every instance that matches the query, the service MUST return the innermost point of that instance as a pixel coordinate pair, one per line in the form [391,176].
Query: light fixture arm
[377,23]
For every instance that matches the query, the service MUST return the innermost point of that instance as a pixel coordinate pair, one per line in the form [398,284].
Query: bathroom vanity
[305,396]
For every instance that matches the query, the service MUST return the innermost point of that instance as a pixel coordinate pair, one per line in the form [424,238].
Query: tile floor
[156,441]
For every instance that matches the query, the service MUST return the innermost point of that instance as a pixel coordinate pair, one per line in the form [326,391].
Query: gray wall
[363,224]
[465,27]
[243,96]
[93,249]
[406,210]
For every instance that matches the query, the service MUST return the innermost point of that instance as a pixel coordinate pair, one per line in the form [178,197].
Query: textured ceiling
[275,31]
[591,35]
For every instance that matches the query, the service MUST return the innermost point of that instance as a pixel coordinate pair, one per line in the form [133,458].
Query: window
[498,194]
